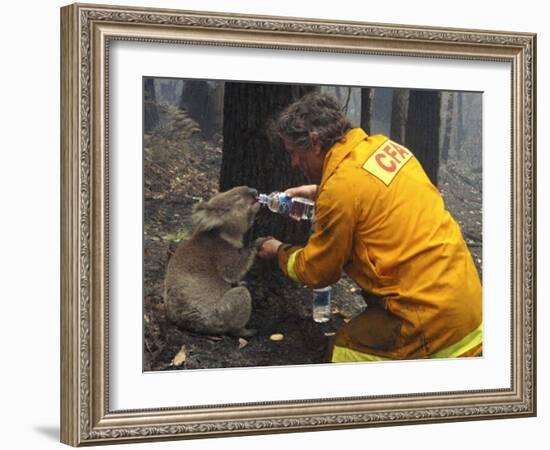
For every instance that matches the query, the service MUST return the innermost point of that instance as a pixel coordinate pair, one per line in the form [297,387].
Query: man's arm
[321,261]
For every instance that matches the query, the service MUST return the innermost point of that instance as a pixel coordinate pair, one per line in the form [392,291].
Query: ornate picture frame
[87,31]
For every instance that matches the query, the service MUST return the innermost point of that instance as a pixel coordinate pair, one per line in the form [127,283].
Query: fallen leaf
[180,358]
[175,237]
[214,338]
[277,337]
[242,343]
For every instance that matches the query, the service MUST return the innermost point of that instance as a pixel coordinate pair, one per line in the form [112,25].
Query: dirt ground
[279,306]
[180,170]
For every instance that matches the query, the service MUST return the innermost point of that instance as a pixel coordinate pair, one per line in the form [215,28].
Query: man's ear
[315,143]
[205,217]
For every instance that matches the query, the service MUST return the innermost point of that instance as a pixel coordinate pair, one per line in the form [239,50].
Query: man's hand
[306,191]
[259,242]
[268,247]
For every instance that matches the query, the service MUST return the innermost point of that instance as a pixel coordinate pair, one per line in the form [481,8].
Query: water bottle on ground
[321,304]
[297,208]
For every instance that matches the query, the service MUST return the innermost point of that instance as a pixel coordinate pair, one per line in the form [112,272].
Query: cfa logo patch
[386,162]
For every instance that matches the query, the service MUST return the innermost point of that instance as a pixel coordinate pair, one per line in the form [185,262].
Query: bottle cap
[262,198]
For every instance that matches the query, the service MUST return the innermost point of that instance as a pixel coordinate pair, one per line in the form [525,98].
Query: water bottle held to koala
[297,208]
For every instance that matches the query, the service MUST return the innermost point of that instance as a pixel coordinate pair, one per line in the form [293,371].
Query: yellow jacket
[380,219]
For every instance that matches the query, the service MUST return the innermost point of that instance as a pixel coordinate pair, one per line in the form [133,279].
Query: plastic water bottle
[297,208]
[321,304]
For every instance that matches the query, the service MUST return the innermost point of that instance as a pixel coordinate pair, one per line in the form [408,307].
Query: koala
[203,289]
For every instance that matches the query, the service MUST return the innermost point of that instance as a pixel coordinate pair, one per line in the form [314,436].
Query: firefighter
[380,220]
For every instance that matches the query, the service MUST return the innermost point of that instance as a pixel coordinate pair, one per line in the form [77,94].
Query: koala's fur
[202,285]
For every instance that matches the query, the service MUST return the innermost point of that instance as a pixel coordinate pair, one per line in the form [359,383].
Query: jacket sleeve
[321,261]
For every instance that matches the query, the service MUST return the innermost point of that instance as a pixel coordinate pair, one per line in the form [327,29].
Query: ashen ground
[279,306]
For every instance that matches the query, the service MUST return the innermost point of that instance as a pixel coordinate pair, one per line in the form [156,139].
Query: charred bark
[150,109]
[422,130]
[399,114]
[447,117]
[366,109]
[203,101]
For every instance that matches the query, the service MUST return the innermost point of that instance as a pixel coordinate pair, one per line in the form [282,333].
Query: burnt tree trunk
[422,130]
[252,157]
[150,109]
[399,113]
[447,126]
[366,109]
[203,102]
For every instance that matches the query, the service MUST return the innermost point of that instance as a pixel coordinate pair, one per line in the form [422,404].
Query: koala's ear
[206,218]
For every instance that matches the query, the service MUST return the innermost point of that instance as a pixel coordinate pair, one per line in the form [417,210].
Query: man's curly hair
[313,113]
